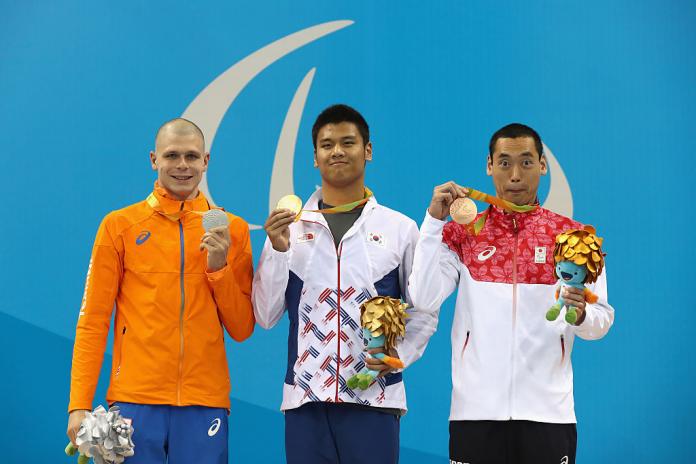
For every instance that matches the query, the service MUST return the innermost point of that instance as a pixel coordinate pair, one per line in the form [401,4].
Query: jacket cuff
[218,275]
[406,353]
[79,406]
[432,226]
[275,254]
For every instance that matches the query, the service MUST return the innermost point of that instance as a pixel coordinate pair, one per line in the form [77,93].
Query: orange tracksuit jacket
[168,338]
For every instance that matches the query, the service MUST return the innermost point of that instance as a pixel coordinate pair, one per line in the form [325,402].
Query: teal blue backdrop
[610,85]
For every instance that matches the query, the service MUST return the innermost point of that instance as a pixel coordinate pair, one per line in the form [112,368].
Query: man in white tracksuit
[512,397]
[320,269]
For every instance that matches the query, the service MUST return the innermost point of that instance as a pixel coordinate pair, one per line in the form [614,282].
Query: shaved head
[179,158]
[178,127]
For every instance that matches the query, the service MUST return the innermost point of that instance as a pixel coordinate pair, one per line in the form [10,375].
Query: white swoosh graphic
[210,106]
[560,198]
[214,427]
[487,253]
[282,176]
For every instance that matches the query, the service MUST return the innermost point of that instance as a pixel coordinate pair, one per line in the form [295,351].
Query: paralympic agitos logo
[210,106]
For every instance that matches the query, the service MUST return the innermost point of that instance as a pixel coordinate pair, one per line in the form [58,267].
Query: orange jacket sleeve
[232,284]
[101,288]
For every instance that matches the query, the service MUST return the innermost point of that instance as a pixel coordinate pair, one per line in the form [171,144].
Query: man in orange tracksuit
[173,286]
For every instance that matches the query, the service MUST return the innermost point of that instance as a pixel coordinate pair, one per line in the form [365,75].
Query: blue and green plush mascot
[579,260]
[383,320]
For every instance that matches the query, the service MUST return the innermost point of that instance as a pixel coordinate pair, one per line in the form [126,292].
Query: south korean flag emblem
[376,238]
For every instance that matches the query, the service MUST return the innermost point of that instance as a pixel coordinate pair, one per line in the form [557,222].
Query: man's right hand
[443,196]
[278,230]
[74,421]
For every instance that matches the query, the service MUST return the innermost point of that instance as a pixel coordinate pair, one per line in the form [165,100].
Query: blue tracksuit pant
[177,435]
[330,433]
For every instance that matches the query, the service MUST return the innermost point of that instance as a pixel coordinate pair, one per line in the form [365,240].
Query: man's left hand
[376,364]
[575,297]
[217,242]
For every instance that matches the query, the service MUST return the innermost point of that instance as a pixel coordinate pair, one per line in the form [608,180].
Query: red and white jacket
[508,361]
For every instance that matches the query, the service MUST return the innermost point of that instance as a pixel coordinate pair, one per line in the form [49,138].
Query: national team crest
[376,238]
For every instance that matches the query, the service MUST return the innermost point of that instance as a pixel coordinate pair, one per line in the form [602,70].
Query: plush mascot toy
[383,320]
[579,261]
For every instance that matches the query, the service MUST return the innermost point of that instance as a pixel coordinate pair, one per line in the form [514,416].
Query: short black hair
[335,114]
[513,131]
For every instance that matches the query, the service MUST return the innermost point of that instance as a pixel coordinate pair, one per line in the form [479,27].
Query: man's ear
[368,151]
[489,165]
[544,165]
[206,160]
[153,160]
[316,164]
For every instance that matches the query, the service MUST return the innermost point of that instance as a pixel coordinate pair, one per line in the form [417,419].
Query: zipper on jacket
[120,352]
[181,314]
[337,249]
[338,317]
[514,315]
[562,349]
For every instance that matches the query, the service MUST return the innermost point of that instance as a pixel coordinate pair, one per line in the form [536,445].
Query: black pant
[512,442]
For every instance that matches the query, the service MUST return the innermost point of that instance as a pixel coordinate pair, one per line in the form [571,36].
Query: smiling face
[516,169]
[180,161]
[341,154]
[571,273]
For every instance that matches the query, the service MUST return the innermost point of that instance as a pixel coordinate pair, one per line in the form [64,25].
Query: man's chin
[340,181]
[179,192]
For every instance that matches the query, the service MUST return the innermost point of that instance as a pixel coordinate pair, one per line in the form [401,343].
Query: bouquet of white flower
[104,436]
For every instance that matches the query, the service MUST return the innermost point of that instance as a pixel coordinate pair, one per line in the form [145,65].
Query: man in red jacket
[512,395]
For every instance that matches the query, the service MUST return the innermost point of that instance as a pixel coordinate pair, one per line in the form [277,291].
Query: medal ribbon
[155,204]
[476,227]
[345,208]
[499,202]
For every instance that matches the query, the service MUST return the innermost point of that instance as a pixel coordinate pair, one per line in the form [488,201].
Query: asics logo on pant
[214,427]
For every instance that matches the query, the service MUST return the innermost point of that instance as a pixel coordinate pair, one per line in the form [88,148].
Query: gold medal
[291,202]
[463,210]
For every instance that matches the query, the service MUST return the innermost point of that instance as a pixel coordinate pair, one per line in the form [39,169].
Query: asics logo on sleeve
[214,427]
[487,253]
[142,238]
[564,460]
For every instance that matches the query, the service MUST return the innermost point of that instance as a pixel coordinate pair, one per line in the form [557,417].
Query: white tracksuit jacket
[508,361]
[322,287]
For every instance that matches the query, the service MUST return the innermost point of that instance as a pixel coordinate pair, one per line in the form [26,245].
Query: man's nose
[338,150]
[182,164]
[515,174]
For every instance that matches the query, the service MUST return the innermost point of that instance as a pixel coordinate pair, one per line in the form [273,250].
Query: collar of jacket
[313,203]
[168,205]
[512,221]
